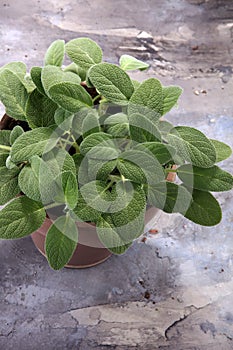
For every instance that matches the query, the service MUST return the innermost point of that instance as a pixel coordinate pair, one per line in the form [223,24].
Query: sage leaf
[90,124]
[147,99]
[142,129]
[94,198]
[8,182]
[70,96]
[171,95]
[193,146]
[111,82]
[128,62]
[204,209]
[67,189]
[18,68]
[5,137]
[40,110]
[52,75]
[145,167]
[36,73]
[169,197]
[36,181]
[33,142]
[109,236]
[63,119]
[162,152]
[100,170]
[61,242]
[208,179]
[13,94]
[15,133]
[223,151]
[99,146]
[84,52]
[20,218]
[55,53]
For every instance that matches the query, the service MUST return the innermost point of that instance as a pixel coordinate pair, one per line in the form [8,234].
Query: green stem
[96,98]
[52,205]
[7,148]
[170,170]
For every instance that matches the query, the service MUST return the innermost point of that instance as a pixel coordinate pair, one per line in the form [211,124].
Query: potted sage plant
[87,156]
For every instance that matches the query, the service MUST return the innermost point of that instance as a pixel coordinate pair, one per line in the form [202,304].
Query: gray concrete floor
[175,291]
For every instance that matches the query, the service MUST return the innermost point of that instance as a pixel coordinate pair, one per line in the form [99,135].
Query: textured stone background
[174,292]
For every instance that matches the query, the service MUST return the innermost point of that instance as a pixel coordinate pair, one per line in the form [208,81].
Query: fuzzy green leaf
[193,146]
[8,182]
[100,170]
[171,95]
[84,52]
[142,129]
[128,62]
[20,218]
[209,179]
[169,197]
[93,199]
[15,133]
[204,209]
[33,142]
[36,78]
[147,99]
[90,124]
[52,75]
[13,94]
[162,152]
[148,164]
[61,242]
[67,189]
[18,68]
[111,82]
[5,137]
[99,146]
[40,110]
[55,54]
[117,125]
[70,96]
[223,151]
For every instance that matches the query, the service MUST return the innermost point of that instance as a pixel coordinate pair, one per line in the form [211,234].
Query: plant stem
[96,98]
[169,170]
[52,205]
[7,148]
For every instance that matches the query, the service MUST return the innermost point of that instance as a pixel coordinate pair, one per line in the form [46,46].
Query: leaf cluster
[99,149]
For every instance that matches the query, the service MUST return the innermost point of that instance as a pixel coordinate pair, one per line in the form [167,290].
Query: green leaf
[55,53]
[20,218]
[18,68]
[142,129]
[111,82]
[36,78]
[210,179]
[90,124]
[63,119]
[36,181]
[169,197]
[128,62]
[70,96]
[162,152]
[33,142]
[109,236]
[8,182]
[40,110]
[204,209]
[9,190]
[15,133]
[147,99]
[100,170]
[93,199]
[13,94]
[5,137]
[61,242]
[193,146]
[148,164]
[135,83]
[9,164]
[52,75]
[223,151]
[171,95]
[117,125]
[164,127]
[59,160]
[67,189]
[121,226]
[99,146]
[84,52]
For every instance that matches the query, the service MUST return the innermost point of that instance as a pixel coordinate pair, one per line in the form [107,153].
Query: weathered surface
[175,291]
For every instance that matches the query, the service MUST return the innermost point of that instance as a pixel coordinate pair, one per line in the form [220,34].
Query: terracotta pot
[89,251]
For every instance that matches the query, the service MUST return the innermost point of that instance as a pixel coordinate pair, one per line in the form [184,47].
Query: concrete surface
[175,291]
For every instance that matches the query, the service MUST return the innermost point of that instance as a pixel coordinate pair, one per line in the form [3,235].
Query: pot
[90,251]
